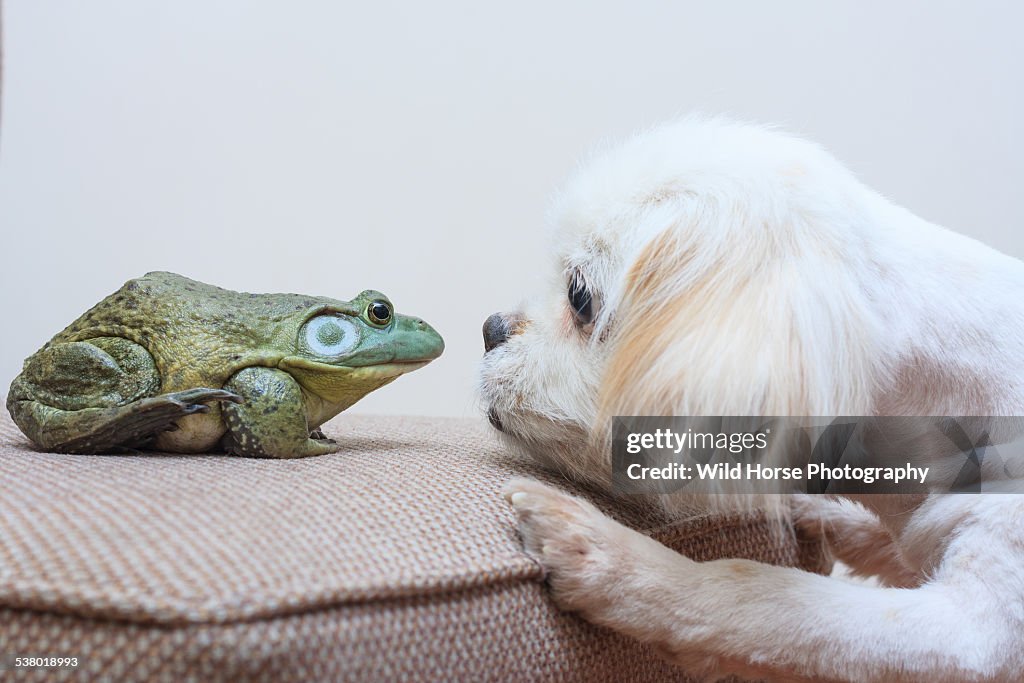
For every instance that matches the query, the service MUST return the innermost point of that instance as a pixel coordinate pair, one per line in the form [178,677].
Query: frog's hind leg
[271,421]
[97,395]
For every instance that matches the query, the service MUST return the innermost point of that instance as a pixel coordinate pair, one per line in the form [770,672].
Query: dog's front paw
[609,573]
[580,548]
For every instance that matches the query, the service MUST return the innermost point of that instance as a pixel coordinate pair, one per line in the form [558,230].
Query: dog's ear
[760,327]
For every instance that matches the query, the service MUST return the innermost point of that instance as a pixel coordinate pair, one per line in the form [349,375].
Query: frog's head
[345,350]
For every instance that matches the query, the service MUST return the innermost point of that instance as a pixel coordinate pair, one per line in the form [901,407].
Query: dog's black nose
[496,330]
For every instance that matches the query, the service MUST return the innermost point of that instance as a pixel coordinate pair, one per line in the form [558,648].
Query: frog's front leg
[271,422]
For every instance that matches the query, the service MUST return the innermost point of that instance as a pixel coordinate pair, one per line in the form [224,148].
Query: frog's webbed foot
[271,422]
[98,430]
[147,418]
[97,395]
[321,438]
[194,400]
[318,435]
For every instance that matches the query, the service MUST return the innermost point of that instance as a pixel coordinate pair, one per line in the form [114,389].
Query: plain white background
[325,147]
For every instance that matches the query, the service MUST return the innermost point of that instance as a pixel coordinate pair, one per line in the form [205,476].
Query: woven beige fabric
[396,559]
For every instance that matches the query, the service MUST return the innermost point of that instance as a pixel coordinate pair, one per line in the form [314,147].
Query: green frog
[176,365]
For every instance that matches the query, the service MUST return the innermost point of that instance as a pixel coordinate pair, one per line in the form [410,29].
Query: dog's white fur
[736,270]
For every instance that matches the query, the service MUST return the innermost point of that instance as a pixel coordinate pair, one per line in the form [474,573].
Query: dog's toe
[548,518]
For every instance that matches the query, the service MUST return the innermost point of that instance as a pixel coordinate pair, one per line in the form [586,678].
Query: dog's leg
[738,616]
[855,536]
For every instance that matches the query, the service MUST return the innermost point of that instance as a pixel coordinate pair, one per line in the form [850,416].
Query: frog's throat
[342,385]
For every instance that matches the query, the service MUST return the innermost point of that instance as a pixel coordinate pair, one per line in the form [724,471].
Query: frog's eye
[379,312]
[330,335]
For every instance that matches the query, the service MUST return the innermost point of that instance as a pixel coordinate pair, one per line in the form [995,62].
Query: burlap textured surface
[396,559]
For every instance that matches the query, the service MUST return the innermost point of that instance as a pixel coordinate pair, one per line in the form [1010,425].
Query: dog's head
[704,268]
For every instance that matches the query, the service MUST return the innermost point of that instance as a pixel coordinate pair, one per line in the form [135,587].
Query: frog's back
[198,334]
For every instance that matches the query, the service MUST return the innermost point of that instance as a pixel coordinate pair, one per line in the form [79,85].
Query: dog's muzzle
[497,329]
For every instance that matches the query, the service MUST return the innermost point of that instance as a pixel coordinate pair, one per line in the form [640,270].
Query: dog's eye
[580,300]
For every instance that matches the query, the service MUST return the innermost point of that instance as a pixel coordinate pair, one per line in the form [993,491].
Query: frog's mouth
[388,367]
[344,385]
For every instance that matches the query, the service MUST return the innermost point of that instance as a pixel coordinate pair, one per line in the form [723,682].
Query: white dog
[715,268]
